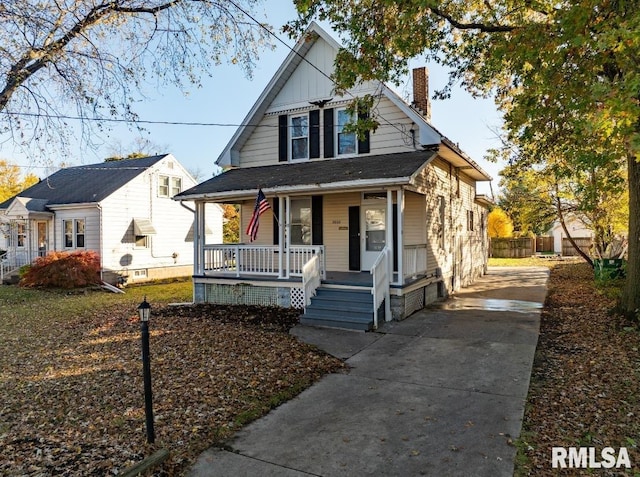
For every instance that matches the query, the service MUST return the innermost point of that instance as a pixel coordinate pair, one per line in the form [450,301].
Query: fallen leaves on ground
[585,385]
[72,390]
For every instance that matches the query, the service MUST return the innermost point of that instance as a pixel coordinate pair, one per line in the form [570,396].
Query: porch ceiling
[309,176]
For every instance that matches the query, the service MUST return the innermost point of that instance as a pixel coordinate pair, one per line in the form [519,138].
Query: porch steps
[349,308]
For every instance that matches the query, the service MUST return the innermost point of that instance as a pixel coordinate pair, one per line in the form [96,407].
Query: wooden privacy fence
[512,247]
[584,243]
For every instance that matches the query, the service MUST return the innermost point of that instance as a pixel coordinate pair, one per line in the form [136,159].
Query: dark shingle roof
[313,173]
[90,183]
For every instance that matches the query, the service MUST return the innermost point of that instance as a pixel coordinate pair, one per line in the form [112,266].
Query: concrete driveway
[441,393]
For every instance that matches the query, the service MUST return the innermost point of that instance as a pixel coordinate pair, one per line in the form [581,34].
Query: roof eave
[340,186]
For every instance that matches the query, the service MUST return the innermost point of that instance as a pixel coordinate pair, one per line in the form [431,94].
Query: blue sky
[228,95]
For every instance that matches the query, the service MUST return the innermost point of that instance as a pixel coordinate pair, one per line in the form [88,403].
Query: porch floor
[358,279]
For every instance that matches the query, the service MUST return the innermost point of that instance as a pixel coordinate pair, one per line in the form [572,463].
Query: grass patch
[71,376]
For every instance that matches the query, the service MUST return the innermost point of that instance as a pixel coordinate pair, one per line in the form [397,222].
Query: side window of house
[142,241]
[301,221]
[163,186]
[299,133]
[74,233]
[441,217]
[176,185]
[67,226]
[470,220]
[79,226]
[346,141]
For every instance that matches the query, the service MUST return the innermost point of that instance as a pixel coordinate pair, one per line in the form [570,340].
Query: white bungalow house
[358,230]
[120,209]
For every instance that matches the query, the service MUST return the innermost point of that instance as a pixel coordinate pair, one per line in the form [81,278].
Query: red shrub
[63,270]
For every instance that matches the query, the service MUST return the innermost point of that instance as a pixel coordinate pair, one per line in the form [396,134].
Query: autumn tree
[231,223]
[499,225]
[557,70]
[11,180]
[94,59]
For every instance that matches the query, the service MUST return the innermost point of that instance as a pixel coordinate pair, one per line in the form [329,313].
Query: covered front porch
[354,224]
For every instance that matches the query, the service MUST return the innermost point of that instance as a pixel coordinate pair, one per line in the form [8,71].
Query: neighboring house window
[21,235]
[142,241]
[74,233]
[68,233]
[470,220]
[163,186]
[299,137]
[441,218]
[346,141]
[301,221]
[79,233]
[176,185]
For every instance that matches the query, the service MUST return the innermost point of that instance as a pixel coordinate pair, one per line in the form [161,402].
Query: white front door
[373,234]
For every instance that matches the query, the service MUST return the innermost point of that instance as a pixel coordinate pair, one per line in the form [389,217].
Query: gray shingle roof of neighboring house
[89,183]
[312,174]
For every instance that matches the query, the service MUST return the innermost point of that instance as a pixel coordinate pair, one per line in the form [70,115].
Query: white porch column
[400,238]
[198,239]
[281,236]
[389,232]
[287,219]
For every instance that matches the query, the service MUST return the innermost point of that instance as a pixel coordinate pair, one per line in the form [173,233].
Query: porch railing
[11,260]
[310,279]
[239,259]
[414,260]
[381,279]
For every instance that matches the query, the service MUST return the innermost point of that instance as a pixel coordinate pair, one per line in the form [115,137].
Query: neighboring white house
[121,209]
[578,230]
[357,227]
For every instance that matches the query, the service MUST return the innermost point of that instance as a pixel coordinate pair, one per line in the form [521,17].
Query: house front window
[301,221]
[74,233]
[299,127]
[347,143]
[21,237]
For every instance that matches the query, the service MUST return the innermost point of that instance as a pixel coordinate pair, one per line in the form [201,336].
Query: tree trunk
[586,257]
[631,295]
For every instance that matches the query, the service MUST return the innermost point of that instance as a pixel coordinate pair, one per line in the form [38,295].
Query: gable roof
[85,184]
[426,136]
[312,176]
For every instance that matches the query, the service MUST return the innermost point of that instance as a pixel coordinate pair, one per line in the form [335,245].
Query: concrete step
[340,308]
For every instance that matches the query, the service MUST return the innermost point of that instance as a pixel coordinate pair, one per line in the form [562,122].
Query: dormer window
[299,133]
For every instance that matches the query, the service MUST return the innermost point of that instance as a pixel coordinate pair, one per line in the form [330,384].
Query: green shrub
[63,270]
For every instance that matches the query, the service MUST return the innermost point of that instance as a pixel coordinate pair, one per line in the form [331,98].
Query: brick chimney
[421,92]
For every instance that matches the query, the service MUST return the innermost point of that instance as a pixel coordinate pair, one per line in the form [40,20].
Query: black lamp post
[144,310]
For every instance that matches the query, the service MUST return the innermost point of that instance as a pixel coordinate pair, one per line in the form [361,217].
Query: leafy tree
[566,75]
[93,59]
[231,225]
[11,180]
[499,224]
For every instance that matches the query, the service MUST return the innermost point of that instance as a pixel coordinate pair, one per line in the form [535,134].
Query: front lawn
[71,377]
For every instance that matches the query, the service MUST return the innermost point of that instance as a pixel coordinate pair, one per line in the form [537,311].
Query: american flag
[262,205]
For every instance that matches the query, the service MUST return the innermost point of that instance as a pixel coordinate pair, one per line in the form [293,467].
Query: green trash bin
[608,268]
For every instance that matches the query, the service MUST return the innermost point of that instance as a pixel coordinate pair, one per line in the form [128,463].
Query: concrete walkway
[441,393]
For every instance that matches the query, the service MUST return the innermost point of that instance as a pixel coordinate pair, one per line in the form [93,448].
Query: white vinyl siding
[335,228]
